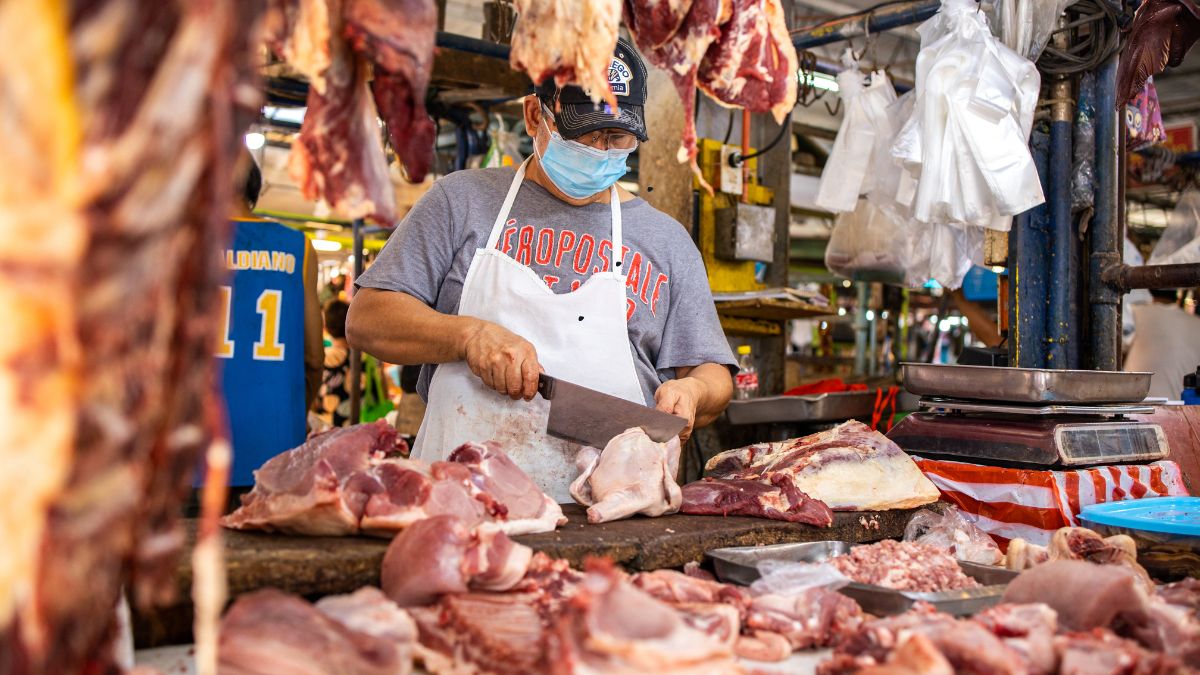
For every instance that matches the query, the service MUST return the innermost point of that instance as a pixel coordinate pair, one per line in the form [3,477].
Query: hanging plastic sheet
[966,142]
[865,125]
[1180,241]
[1025,25]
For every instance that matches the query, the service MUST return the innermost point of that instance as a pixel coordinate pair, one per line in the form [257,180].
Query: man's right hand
[504,360]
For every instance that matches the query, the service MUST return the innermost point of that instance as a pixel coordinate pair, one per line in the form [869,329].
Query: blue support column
[1062,320]
[872,23]
[1105,245]
[1029,242]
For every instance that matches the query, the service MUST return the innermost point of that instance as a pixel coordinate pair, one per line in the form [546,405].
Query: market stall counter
[319,566]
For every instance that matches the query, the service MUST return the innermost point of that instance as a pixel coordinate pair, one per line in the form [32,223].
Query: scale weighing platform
[1043,428]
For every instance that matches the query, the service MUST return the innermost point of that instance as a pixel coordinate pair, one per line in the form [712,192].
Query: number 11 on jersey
[267,347]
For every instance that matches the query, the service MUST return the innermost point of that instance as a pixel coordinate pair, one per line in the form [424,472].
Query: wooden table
[317,566]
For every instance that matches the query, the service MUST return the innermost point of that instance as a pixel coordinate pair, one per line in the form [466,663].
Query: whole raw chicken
[633,474]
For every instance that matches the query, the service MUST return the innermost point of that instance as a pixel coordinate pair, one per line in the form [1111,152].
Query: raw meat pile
[121,123]
[364,60]
[848,468]
[1078,543]
[903,566]
[737,51]
[352,479]
[633,474]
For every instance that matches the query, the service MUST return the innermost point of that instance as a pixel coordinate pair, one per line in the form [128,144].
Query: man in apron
[498,274]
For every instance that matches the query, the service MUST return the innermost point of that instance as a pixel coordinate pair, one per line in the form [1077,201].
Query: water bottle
[746,382]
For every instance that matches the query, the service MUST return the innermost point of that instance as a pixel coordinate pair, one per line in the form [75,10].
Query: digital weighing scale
[1035,418]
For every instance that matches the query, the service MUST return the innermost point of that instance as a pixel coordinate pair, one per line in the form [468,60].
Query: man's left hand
[680,397]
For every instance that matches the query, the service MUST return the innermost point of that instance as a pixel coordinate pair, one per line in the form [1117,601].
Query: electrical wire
[736,160]
[1096,35]
[728,128]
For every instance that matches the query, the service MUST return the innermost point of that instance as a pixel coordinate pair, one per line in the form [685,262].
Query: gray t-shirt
[672,320]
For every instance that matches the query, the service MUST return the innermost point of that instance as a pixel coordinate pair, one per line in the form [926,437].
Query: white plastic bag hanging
[966,142]
[1025,25]
[869,239]
[1180,241]
[865,123]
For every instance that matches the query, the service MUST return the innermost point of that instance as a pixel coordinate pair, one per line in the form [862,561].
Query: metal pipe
[1062,319]
[472,45]
[1029,243]
[356,355]
[1127,277]
[860,329]
[877,21]
[745,151]
[1104,242]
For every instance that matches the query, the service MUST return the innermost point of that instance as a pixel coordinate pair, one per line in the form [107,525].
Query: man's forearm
[398,328]
[714,389]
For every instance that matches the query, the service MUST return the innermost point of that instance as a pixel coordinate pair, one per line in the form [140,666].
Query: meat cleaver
[590,417]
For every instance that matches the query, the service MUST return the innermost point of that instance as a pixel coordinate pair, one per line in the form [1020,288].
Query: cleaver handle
[546,386]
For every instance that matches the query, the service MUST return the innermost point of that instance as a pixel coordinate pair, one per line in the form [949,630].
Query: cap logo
[619,76]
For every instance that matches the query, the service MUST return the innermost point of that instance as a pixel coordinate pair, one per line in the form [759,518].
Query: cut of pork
[525,508]
[610,626]
[632,475]
[320,487]
[849,468]
[440,555]
[816,617]
[903,566]
[1084,595]
[779,500]
[569,41]
[269,631]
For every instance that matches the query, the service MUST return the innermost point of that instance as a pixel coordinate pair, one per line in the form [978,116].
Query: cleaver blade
[593,418]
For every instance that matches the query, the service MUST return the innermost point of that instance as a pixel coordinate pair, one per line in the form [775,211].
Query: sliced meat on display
[569,41]
[363,59]
[1029,630]
[320,487]
[815,618]
[1080,543]
[440,555]
[526,509]
[681,52]
[904,566]
[499,633]
[779,500]
[610,626]
[849,468]
[1084,595]
[397,37]
[351,479]
[753,64]
[914,655]
[632,475]
[270,631]
[1022,555]
[1100,651]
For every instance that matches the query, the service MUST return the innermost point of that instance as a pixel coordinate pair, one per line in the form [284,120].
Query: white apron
[580,336]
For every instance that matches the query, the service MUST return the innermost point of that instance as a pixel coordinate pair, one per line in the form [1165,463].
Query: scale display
[1087,444]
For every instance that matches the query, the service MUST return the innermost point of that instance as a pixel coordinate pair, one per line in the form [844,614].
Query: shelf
[770,309]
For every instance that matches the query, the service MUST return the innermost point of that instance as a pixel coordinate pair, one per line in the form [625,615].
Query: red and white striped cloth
[1032,504]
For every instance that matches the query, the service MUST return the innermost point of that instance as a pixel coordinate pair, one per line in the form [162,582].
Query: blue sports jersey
[260,349]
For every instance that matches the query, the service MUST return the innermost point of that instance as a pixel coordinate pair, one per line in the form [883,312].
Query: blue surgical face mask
[579,170]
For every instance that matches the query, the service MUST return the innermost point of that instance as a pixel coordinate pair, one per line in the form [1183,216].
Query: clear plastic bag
[953,532]
[785,577]
[1025,25]
[869,240]
[1180,241]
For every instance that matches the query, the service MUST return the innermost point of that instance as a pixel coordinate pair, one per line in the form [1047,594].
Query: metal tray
[1025,385]
[834,407]
[739,565]
[1111,410]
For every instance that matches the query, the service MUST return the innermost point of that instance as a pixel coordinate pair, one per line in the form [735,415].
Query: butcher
[499,274]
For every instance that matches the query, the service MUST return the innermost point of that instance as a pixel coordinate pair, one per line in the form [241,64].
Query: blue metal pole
[878,21]
[471,45]
[1028,245]
[1105,245]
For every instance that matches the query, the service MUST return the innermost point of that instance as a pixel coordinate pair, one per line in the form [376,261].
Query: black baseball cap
[576,114]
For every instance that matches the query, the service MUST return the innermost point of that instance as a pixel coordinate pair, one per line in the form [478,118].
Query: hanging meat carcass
[571,41]
[753,64]
[363,59]
[121,122]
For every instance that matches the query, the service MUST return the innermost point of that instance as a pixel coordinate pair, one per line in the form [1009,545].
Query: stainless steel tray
[1036,410]
[816,408]
[1025,385]
[739,565]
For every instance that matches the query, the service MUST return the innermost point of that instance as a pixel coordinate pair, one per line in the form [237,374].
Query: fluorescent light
[255,140]
[998,270]
[818,80]
[326,245]
[293,115]
[846,283]
[870,315]
[944,325]
[841,311]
